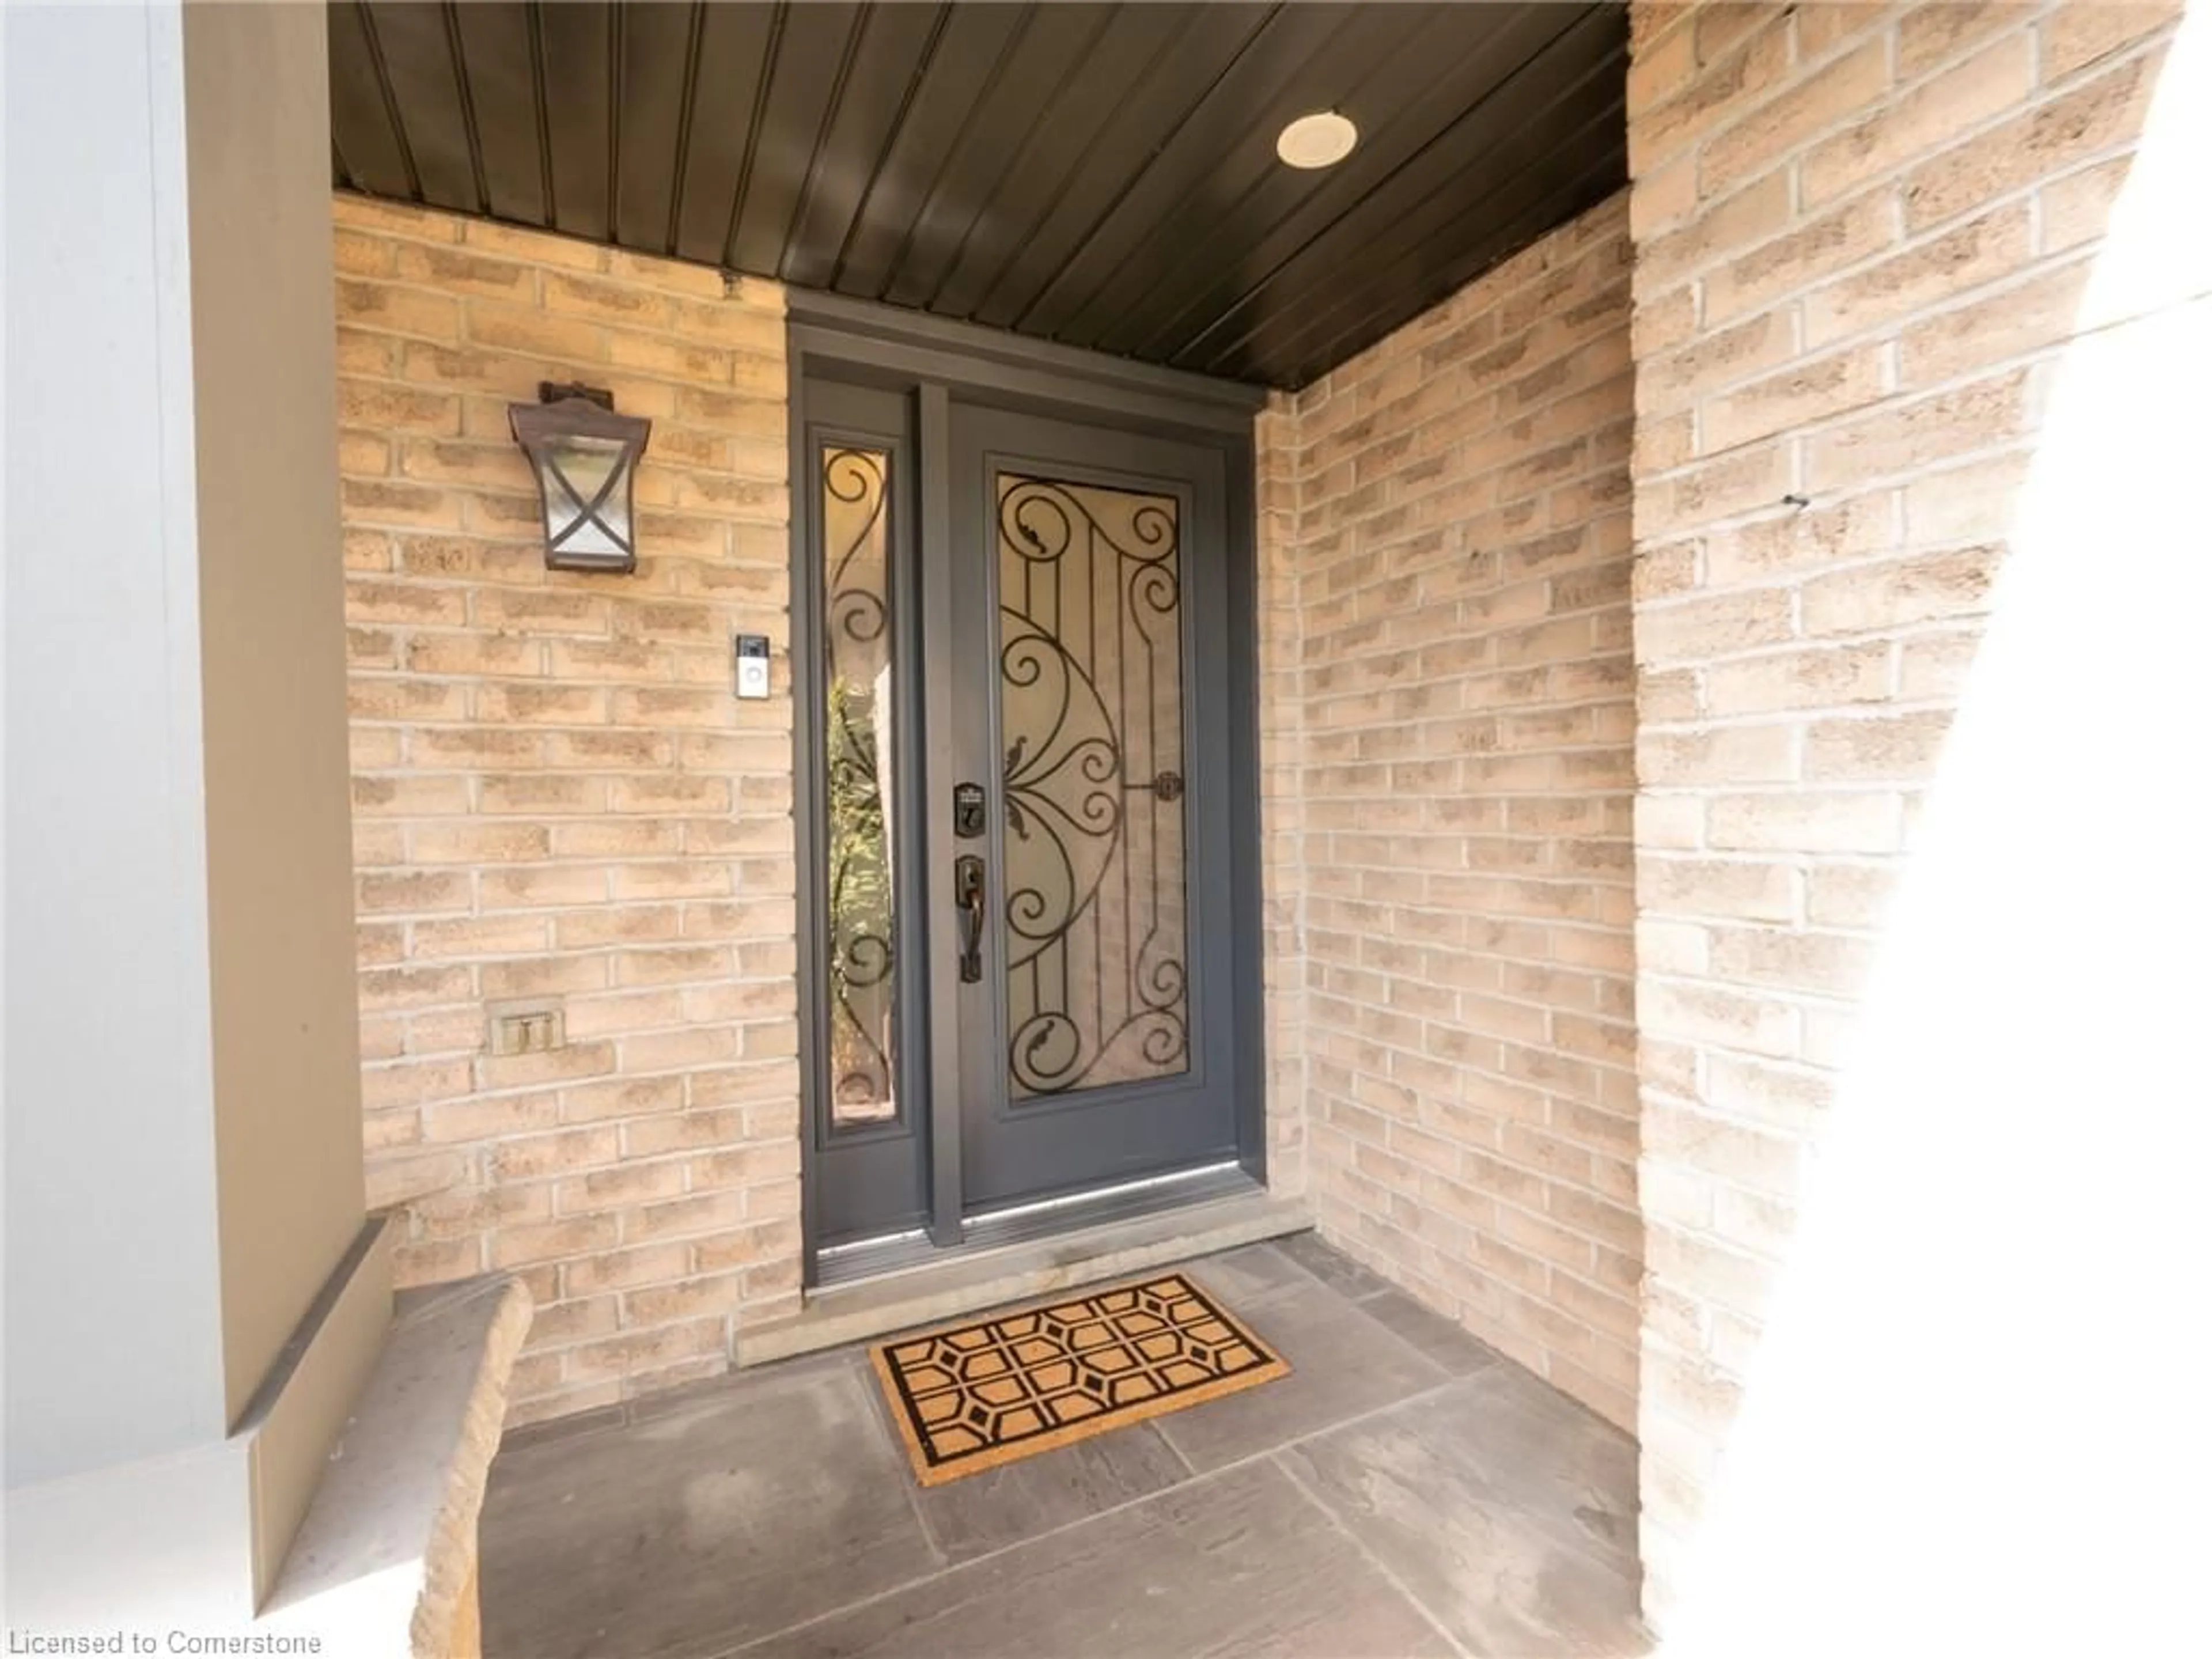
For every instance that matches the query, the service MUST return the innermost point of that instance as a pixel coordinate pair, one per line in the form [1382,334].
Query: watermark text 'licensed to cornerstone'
[55,1644]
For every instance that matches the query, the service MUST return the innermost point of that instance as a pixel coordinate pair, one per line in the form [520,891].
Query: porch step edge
[986,1278]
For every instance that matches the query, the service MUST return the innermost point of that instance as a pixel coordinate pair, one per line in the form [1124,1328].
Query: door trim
[972,359]
[932,361]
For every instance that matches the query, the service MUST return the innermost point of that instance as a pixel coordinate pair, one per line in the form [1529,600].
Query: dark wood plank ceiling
[1101,175]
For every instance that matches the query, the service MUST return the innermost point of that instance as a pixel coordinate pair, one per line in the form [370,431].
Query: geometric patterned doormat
[972,1396]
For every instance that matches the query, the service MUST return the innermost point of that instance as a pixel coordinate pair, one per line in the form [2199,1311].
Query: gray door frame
[931,362]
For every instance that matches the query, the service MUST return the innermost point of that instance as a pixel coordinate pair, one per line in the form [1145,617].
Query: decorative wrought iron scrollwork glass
[1090,659]
[861,943]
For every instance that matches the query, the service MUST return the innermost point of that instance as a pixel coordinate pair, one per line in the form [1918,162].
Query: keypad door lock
[968,821]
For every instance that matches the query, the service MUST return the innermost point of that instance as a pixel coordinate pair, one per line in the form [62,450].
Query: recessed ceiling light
[1321,140]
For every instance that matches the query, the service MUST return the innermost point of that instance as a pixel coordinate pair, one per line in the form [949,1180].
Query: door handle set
[969,818]
[967,896]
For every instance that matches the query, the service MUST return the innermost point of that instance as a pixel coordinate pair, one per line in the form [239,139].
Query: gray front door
[1019,929]
[1087,569]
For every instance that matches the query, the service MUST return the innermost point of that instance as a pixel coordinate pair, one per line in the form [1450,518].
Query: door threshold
[968,1279]
[1018,1224]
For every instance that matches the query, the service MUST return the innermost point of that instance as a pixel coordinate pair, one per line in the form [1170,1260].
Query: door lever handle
[967,894]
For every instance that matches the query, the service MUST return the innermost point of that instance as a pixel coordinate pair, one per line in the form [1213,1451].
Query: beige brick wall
[1282,800]
[1861,235]
[557,796]
[1445,561]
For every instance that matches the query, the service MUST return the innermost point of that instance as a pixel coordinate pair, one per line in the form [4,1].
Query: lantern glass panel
[587,502]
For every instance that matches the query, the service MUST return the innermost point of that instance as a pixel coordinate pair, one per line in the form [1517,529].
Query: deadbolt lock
[968,822]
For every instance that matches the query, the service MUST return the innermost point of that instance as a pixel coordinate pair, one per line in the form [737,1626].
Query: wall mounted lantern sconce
[585,456]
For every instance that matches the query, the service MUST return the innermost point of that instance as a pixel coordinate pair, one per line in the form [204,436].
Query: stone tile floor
[1405,1492]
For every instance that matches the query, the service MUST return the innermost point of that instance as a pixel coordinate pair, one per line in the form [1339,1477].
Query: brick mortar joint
[2030,22]
[1888,333]
[1413,337]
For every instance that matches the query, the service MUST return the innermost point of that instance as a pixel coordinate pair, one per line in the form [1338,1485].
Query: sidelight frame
[876,1146]
[930,361]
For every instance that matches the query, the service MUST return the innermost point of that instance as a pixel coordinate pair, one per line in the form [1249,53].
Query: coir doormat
[972,1396]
